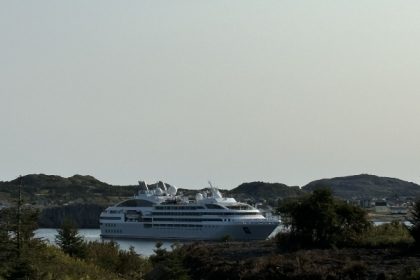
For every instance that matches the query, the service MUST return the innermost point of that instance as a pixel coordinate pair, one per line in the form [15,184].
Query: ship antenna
[143,183]
[215,192]
[212,189]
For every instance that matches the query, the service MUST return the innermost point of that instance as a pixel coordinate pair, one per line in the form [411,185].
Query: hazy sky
[231,91]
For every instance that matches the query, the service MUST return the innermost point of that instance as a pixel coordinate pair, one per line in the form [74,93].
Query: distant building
[365,203]
[399,210]
[381,207]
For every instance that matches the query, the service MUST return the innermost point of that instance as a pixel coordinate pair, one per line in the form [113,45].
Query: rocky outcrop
[84,215]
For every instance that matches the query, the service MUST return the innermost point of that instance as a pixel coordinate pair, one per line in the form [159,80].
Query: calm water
[143,247]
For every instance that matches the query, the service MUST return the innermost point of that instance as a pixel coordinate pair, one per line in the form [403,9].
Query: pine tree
[8,252]
[17,225]
[168,265]
[415,220]
[69,240]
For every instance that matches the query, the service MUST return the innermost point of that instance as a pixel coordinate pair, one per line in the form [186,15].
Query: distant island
[366,186]
[83,197]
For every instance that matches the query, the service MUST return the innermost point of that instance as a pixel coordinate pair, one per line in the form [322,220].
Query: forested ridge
[50,190]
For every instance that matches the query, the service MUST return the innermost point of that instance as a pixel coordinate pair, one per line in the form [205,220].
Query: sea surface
[142,247]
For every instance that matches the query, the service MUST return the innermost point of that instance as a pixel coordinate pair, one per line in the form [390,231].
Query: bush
[127,264]
[386,235]
[318,220]
[52,263]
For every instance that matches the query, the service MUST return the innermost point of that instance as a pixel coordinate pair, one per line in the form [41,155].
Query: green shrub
[386,235]
[319,220]
[127,264]
[49,262]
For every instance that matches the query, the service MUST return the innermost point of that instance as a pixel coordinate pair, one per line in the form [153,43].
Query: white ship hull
[234,231]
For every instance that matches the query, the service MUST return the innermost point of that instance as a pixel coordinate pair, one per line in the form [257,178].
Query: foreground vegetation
[328,239]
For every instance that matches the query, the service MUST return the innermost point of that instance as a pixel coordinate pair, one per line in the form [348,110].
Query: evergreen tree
[16,242]
[69,240]
[168,265]
[8,250]
[415,220]
[22,269]
[160,253]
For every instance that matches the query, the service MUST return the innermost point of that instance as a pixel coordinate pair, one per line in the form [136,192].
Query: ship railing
[257,221]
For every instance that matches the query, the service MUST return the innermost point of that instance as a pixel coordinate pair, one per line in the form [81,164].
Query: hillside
[366,186]
[81,198]
[51,190]
[48,190]
[258,191]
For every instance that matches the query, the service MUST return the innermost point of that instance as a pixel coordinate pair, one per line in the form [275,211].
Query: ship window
[136,203]
[214,206]
[240,207]
[111,218]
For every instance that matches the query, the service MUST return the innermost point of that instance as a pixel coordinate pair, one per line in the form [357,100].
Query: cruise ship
[160,213]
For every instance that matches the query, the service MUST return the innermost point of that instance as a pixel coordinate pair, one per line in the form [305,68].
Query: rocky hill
[261,191]
[366,186]
[49,190]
